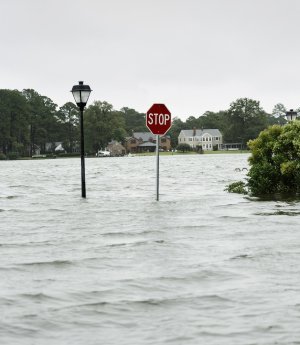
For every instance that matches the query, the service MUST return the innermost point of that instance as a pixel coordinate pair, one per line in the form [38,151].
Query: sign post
[157,167]
[158,120]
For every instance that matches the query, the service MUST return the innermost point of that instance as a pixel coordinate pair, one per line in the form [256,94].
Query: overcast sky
[192,55]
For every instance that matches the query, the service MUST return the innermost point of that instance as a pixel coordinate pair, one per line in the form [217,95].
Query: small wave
[120,234]
[37,296]
[9,196]
[10,268]
[58,263]
[278,213]
[134,244]
[242,256]
[25,244]
[179,339]
[17,330]
[130,234]
[205,275]
[286,198]
[6,301]
[14,210]
[233,217]
[176,300]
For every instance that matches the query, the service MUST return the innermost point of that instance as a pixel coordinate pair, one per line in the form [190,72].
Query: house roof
[147,144]
[145,136]
[114,144]
[199,132]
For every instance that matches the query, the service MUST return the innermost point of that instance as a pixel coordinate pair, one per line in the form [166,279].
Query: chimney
[194,131]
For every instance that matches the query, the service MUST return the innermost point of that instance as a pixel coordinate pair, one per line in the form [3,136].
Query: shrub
[274,162]
[199,149]
[12,155]
[71,154]
[2,156]
[237,187]
[184,147]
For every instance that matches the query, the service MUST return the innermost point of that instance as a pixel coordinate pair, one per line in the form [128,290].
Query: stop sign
[158,119]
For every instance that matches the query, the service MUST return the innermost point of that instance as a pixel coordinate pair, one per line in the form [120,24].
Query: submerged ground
[201,266]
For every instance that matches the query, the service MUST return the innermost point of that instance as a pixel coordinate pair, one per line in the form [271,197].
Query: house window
[190,139]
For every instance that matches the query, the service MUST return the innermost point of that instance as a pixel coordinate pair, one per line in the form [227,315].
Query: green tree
[278,115]
[177,126]
[217,120]
[191,122]
[43,121]
[68,118]
[102,124]
[279,110]
[134,121]
[245,120]
[14,120]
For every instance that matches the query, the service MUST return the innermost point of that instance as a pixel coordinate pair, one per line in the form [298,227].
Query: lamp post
[81,95]
[291,115]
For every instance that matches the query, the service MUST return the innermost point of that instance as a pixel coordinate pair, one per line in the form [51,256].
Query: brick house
[116,149]
[146,142]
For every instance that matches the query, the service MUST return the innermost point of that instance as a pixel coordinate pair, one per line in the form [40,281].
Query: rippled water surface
[201,266]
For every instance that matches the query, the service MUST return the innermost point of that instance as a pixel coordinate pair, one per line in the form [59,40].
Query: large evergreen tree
[68,118]
[43,121]
[102,124]
[14,115]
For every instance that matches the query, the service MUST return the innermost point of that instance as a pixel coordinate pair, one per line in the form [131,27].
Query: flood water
[201,266]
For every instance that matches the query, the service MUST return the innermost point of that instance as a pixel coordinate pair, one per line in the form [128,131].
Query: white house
[207,138]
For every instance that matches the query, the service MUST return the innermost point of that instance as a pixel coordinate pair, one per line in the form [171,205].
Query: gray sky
[192,55]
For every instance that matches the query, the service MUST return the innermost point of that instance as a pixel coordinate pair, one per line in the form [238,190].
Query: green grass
[226,152]
[189,153]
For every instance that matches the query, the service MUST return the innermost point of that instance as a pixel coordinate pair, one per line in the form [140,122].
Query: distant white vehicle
[102,153]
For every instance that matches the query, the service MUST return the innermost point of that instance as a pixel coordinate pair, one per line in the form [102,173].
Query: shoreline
[45,157]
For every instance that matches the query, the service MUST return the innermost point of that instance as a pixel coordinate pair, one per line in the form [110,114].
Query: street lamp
[81,95]
[291,115]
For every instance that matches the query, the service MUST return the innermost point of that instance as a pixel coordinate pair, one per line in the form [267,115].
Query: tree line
[29,120]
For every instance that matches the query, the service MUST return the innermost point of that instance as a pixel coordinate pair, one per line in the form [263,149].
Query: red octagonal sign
[158,119]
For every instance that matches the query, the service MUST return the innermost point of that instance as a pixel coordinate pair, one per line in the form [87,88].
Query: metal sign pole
[157,167]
